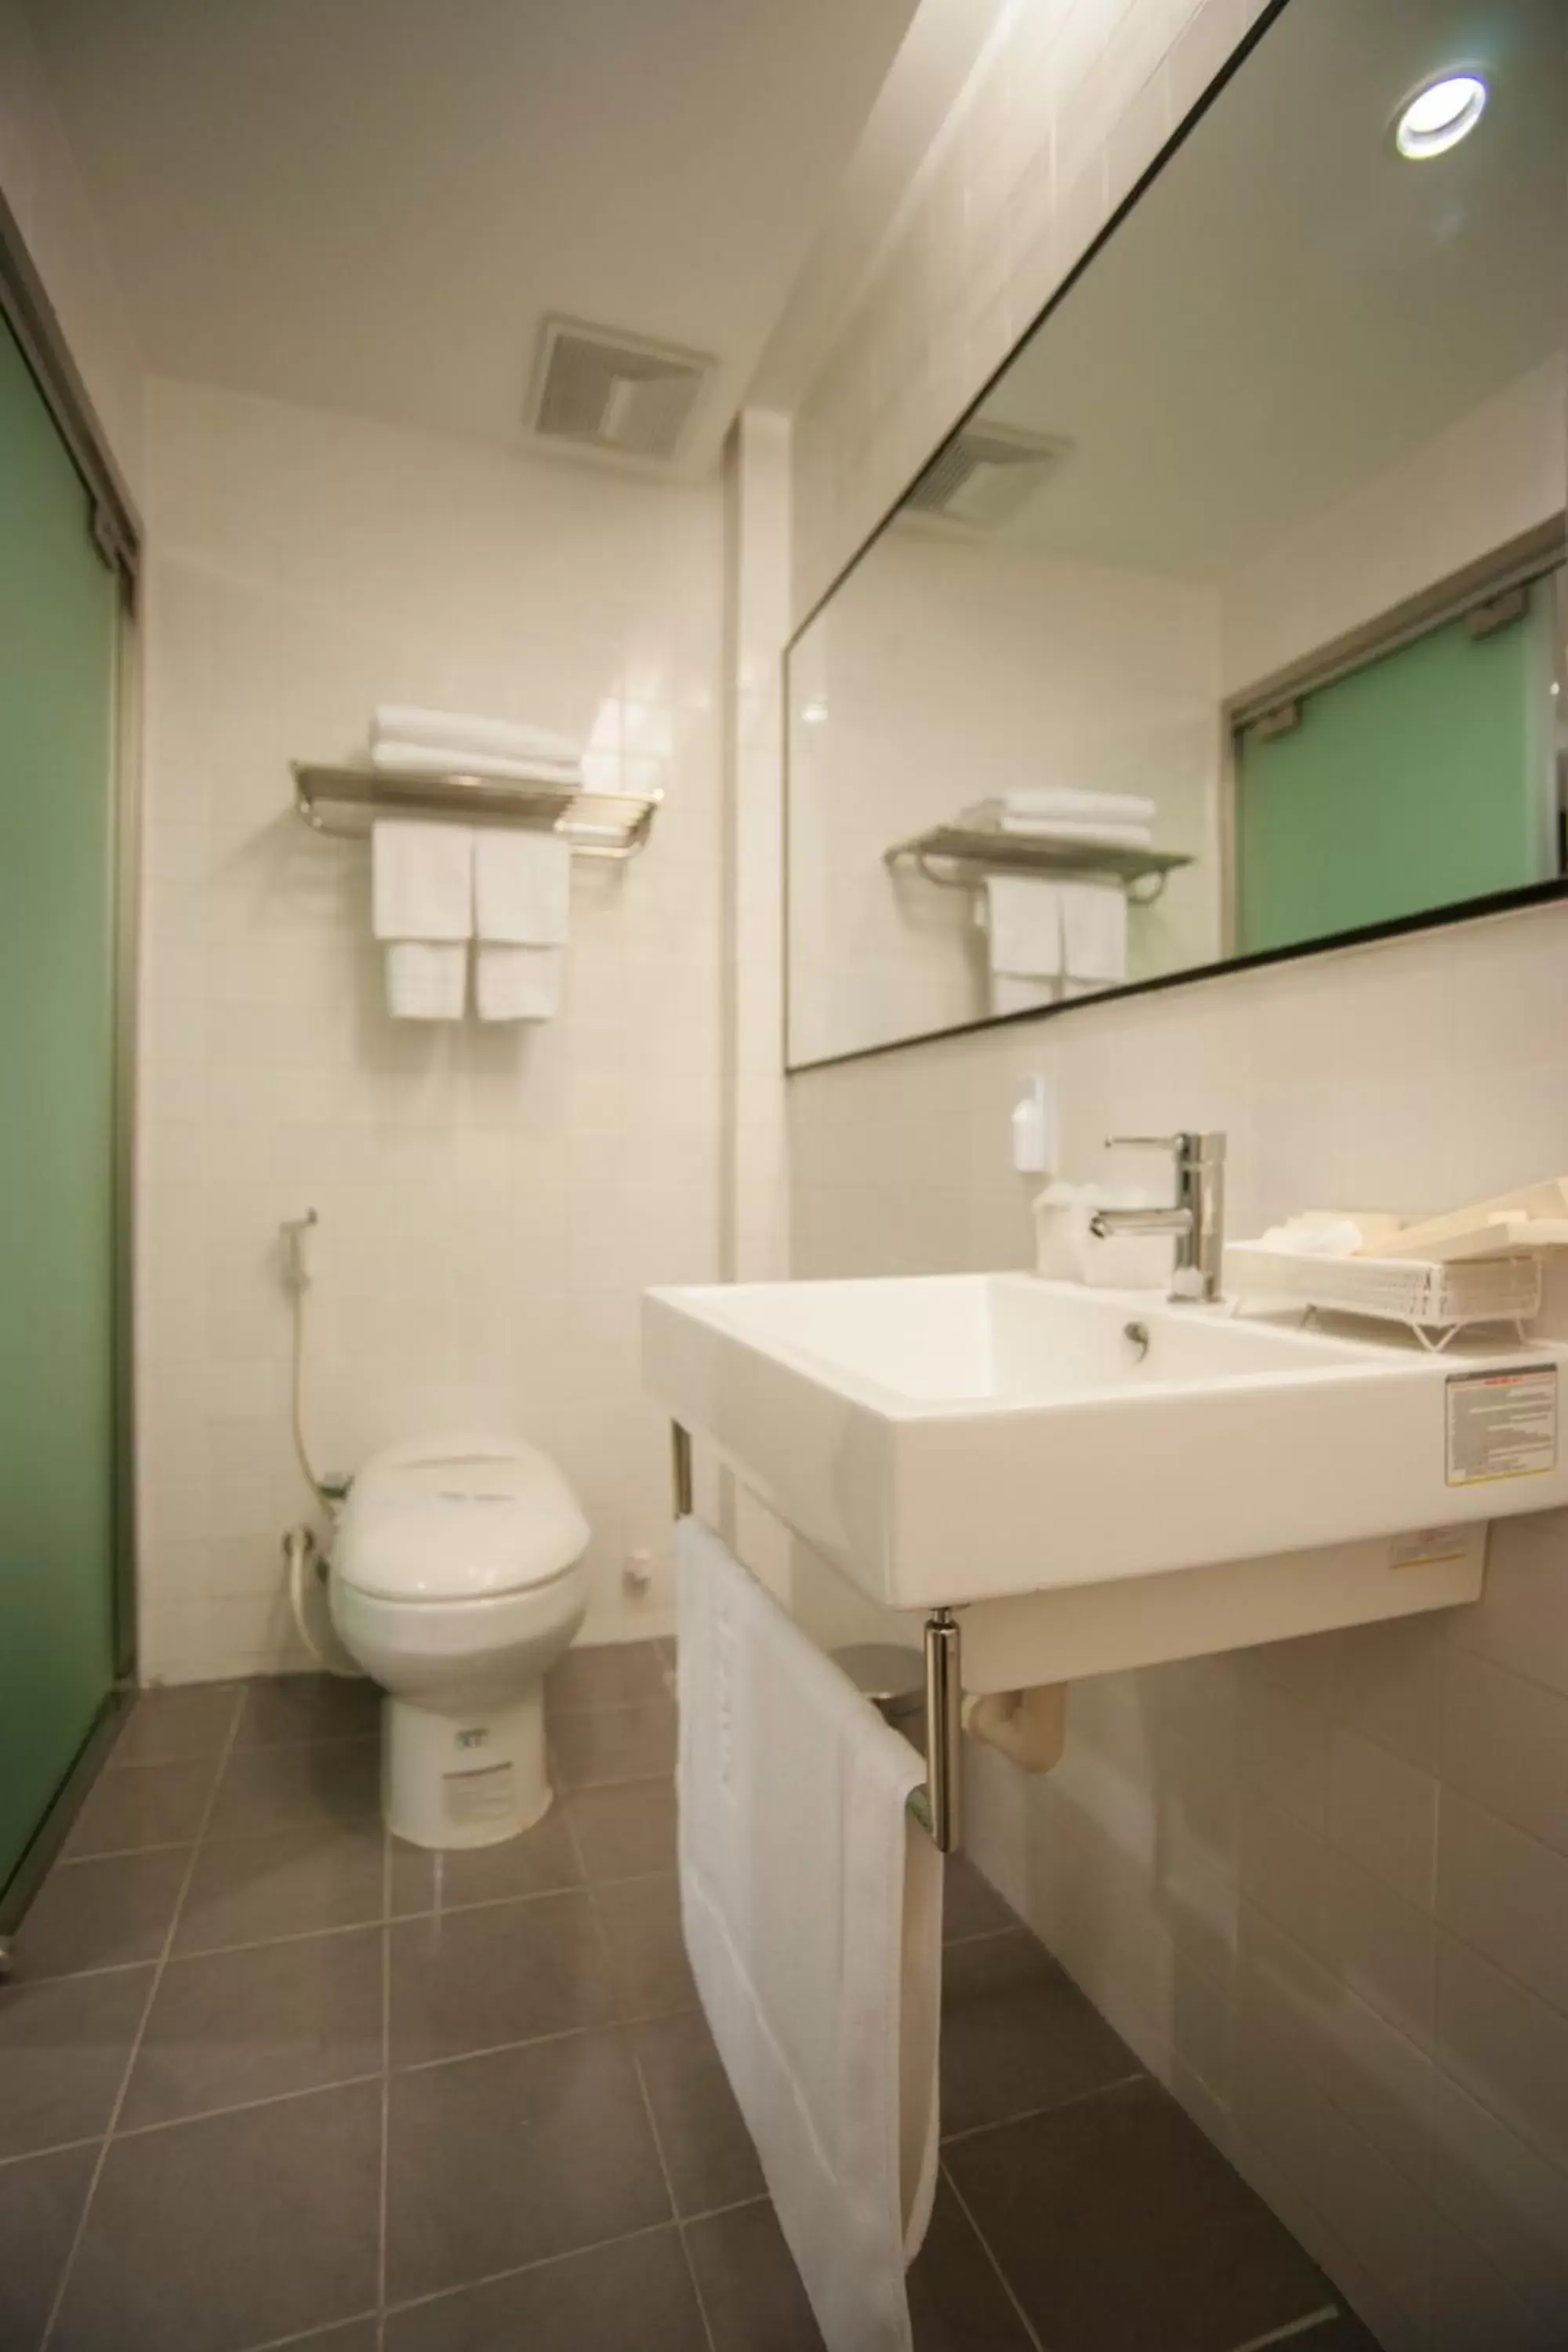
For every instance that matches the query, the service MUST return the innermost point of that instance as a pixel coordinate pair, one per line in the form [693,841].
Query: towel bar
[937,1804]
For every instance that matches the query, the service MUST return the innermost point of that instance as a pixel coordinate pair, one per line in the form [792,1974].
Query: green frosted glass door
[59,626]
[1418,782]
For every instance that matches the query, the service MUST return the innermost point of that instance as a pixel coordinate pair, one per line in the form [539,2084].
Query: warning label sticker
[1502,1424]
[1428,1546]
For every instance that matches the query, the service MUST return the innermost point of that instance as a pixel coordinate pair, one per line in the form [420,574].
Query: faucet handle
[1144,1142]
[1189,1144]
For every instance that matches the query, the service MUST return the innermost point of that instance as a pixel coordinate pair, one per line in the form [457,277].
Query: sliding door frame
[118,535]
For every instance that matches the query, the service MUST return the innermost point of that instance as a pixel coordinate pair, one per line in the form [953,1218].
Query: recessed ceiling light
[1439,116]
[815,713]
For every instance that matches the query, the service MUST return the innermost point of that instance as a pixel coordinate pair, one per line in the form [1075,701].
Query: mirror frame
[1538,552]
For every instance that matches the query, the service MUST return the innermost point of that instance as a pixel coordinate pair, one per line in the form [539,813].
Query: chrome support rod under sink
[937,1804]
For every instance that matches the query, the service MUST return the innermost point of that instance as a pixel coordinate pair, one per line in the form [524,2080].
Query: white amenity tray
[1430,1297]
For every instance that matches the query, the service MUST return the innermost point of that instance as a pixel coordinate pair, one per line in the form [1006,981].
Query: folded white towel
[1010,993]
[426,980]
[452,759]
[522,886]
[1078,829]
[1094,932]
[1023,917]
[1075,801]
[516,983]
[422,880]
[812,1907]
[502,739]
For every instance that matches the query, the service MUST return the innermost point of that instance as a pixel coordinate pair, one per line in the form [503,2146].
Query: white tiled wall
[1320,1885]
[492,1201]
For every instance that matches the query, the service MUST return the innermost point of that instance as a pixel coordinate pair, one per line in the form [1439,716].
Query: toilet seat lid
[458,1518]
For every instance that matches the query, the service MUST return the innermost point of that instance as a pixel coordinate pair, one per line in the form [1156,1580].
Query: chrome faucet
[1197,1220]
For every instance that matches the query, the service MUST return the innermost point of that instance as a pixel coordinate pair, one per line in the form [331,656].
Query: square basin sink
[950,1439]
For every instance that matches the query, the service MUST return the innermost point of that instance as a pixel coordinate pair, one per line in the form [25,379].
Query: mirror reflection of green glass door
[59,632]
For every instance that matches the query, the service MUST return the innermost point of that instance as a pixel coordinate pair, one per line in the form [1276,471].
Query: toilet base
[451,1781]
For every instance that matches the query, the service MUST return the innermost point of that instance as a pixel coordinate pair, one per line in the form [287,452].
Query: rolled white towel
[443,731]
[1077,800]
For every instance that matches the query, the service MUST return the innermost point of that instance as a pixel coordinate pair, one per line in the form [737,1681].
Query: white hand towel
[812,1907]
[426,981]
[523,888]
[422,880]
[514,983]
[504,738]
[452,760]
[1012,993]
[1025,922]
[1094,932]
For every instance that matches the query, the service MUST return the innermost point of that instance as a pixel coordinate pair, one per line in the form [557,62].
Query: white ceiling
[1293,308]
[370,204]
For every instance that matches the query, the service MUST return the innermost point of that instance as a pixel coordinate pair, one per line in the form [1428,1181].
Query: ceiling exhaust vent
[985,476]
[601,389]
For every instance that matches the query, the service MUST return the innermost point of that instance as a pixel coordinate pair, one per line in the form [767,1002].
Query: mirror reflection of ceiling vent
[599,389]
[985,475]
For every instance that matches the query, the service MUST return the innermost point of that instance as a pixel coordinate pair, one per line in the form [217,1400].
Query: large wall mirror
[1231,622]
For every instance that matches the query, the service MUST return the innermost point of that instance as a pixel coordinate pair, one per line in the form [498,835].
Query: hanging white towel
[1094,932]
[514,983]
[1025,924]
[523,888]
[453,760]
[503,739]
[426,980]
[812,1907]
[422,880]
[522,908]
[1010,993]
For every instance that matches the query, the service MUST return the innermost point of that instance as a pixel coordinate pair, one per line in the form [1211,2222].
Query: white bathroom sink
[967,1438]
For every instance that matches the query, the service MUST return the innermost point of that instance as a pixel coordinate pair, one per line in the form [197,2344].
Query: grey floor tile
[614,1743]
[1152,2237]
[957,2302]
[40,2205]
[283,1710]
[749,2287]
[625,1831]
[970,1904]
[170,1726]
[143,1805]
[245,1890]
[541,1861]
[476,2180]
[355,2335]
[621,1673]
[1017,2036]
[217,2235]
[707,2148]
[228,2027]
[1343,2332]
[633,2296]
[299,1787]
[465,1981]
[103,1914]
[64,2047]
[648,1967]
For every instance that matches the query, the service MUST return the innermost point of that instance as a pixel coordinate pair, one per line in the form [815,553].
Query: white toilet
[456,1582]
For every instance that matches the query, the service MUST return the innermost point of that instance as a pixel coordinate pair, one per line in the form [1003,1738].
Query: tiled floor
[266,2078]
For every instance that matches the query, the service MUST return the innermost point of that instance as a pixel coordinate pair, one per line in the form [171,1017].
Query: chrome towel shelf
[968,853]
[937,1804]
[614,826]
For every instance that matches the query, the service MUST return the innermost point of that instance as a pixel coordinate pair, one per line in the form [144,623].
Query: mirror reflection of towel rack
[345,802]
[960,858]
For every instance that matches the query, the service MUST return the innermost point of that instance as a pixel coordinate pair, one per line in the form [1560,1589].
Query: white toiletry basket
[1432,1299]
